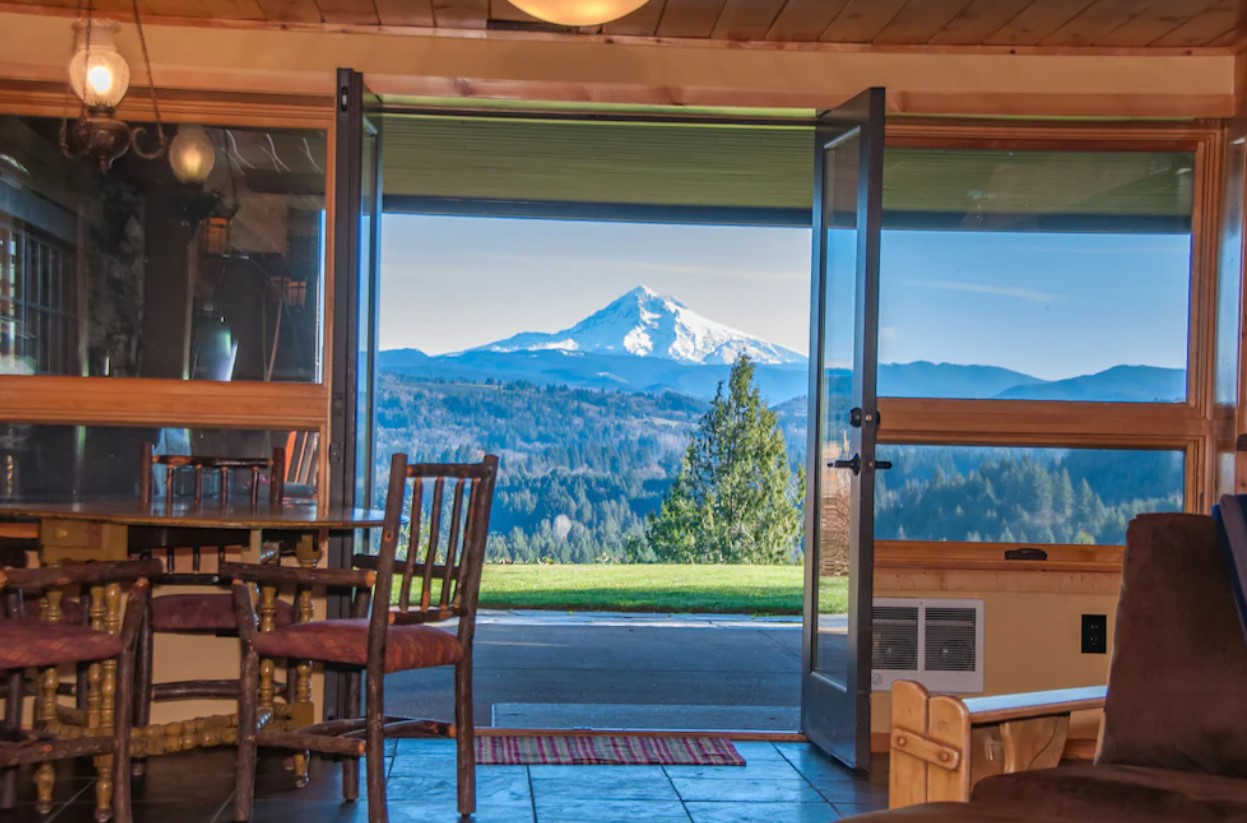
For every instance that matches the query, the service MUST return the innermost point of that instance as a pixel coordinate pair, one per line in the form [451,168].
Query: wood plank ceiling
[1043,23]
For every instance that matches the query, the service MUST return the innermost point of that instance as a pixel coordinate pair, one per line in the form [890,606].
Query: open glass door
[839,509]
[356,273]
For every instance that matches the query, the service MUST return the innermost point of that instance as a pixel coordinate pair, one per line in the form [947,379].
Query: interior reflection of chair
[440,580]
[238,483]
[103,728]
[1174,742]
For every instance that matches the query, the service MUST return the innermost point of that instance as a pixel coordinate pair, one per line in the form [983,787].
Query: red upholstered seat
[205,613]
[346,641]
[71,610]
[25,643]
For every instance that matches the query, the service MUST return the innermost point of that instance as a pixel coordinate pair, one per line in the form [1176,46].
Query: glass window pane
[1036,275]
[1022,495]
[133,273]
[49,462]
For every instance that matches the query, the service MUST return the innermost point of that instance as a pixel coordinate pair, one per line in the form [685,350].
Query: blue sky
[1050,305]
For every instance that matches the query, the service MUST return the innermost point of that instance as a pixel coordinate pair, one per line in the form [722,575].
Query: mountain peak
[644,323]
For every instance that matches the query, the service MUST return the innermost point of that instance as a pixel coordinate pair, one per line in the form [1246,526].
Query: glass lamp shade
[578,12]
[101,77]
[192,154]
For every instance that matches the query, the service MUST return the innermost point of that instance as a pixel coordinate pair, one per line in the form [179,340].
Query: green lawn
[654,587]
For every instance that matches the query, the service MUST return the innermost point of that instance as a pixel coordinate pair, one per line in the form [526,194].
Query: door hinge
[335,452]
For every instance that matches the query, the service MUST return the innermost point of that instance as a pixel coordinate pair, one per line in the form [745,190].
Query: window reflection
[134,273]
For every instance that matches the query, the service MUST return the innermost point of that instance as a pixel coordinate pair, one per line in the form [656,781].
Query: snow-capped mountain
[644,323]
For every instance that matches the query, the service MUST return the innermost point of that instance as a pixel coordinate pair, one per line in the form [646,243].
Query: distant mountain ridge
[644,342]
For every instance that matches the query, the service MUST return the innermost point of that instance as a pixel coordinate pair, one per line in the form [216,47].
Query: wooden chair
[197,613]
[440,580]
[45,645]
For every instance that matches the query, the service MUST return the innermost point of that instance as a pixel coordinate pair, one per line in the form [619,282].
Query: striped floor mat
[601,750]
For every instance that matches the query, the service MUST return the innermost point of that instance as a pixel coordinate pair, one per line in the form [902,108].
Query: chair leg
[143,688]
[350,765]
[465,737]
[12,720]
[374,751]
[122,730]
[249,694]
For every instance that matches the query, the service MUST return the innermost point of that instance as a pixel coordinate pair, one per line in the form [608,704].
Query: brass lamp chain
[161,141]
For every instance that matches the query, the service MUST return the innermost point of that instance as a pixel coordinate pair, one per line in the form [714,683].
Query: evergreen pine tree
[734,499]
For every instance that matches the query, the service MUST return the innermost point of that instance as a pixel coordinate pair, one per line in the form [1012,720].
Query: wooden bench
[941,745]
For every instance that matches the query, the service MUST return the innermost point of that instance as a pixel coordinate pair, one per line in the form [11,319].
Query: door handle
[854,464]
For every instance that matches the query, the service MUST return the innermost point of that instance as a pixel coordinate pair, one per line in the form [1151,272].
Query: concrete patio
[538,669]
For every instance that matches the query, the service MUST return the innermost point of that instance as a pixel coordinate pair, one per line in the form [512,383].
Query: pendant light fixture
[100,77]
[578,12]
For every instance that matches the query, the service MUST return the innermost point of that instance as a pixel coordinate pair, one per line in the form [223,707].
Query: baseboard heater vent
[936,641]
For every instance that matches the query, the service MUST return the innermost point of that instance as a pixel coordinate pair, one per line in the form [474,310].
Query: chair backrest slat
[452,544]
[435,531]
[413,540]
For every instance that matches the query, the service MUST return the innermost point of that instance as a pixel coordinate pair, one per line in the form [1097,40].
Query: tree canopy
[735,498]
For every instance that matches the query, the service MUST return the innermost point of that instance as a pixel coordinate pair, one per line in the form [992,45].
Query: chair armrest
[1005,707]
[296,576]
[92,573]
[433,614]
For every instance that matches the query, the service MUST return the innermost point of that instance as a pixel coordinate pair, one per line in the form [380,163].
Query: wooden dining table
[99,529]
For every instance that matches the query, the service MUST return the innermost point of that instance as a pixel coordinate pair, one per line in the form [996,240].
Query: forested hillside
[582,468]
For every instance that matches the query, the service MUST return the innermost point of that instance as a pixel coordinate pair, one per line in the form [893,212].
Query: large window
[1036,275]
[132,273]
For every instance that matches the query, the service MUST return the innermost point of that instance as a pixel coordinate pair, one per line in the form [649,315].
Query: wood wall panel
[1101,18]
[917,23]
[97,401]
[1160,18]
[234,9]
[405,12]
[1037,21]
[978,21]
[355,12]
[1048,24]
[804,20]
[641,23]
[291,11]
[746,19]
[862,20]
[461,14]
[690,18]
[1201,29]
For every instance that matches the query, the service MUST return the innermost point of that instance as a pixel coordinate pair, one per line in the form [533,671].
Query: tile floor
[781,783]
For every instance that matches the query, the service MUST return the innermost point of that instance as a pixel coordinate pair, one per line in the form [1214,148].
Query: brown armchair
[1174,742]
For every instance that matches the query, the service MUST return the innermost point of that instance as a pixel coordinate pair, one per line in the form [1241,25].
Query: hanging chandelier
[100,77]
[578,12]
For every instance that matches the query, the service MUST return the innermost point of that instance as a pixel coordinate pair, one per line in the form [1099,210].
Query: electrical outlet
[1094,634]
